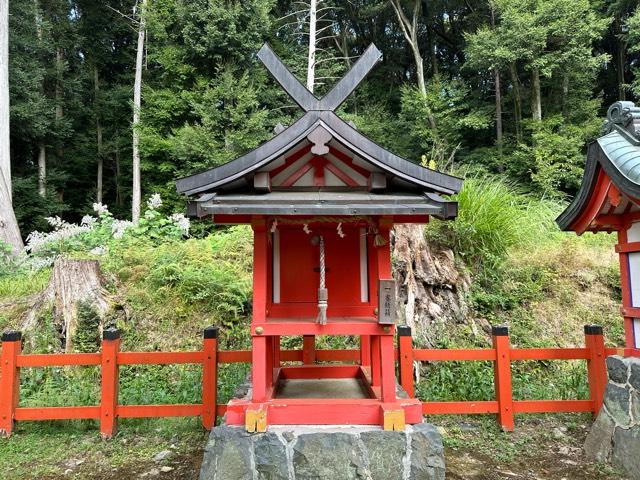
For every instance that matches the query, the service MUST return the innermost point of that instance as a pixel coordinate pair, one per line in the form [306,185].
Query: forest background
[506,93]
[513,87]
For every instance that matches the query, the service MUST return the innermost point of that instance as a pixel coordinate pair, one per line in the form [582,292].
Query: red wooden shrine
[322,199]
[609,201]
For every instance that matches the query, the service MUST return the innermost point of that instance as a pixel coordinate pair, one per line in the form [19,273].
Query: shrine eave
[612,170]
[342,132]
[323,203]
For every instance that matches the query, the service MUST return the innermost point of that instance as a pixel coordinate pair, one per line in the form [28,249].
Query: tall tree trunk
[496,74]
[536,101]
[9,231]
[42,148]
[621,58]
[42,169]
[59,95]
[119,199]
[96,89]
[409,29]
[517,100]
[433,48]
[565,94]
[311,59]
[137,96]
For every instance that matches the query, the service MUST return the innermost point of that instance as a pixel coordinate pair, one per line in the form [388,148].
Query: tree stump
[431,287]
[72,282]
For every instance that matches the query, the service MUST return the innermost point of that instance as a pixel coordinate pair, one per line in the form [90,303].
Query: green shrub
[493,217]
[87,335]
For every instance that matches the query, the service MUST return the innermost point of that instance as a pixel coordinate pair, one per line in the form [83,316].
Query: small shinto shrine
[609,201]
[322,199]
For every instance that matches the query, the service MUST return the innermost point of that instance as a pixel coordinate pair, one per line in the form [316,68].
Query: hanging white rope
[323,295]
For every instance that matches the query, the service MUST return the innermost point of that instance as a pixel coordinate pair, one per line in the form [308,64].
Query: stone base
[327,452]
[615,435]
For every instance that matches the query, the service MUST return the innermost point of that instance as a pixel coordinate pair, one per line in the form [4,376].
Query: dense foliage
[512,87]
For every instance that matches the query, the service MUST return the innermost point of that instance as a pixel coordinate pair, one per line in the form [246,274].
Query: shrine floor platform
[321,388]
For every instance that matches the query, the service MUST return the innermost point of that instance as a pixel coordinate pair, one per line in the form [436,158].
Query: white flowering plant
[97,235]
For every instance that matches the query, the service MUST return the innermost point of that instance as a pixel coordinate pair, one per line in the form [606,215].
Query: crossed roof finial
[336,96]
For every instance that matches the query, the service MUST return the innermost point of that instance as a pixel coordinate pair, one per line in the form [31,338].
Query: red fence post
[596,365]
[210,377]
[9,380]
[502,377]
[109,386]
[405,359]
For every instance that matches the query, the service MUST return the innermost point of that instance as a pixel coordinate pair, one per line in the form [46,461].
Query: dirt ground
[541,448]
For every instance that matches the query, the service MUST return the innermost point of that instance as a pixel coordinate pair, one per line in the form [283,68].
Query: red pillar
[596,365]
[376,371]
[9,380]
[625,287]
[276,352]
[209,377]
[109,383]
[365,350]
[309,349]
[388,366]
[269,363]
[259,371]
[260,269]
[405,360]
[502,375]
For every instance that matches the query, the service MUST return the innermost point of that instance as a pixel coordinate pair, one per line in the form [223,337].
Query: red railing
[111,358]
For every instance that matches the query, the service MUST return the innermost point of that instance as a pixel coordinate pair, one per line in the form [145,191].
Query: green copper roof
[617,152]
[623,155]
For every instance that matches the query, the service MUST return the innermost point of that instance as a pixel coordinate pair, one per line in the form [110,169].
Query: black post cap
[500,331]
[404,331]
[210,332]
[111,333]
[593,330]
[11,336]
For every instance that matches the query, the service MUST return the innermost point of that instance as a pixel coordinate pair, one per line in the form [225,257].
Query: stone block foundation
[615,435]
[324,453]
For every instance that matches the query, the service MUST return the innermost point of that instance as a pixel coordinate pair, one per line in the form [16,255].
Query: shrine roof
[617,154]
[350,159]
[323,203]
[219,177]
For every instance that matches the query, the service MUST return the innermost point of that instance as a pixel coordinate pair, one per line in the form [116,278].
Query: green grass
[47,449]
[23,284]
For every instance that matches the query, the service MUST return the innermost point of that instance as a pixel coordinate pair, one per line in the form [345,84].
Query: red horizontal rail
[152,411]
[58,359]
[437,355]
[623,352]
[628,247]
[291,355]
[549,354]
[468,407]
[346,355]
[57,413]
[234,356]
[551,406]
[159,358]
[338,355]
[630,311]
